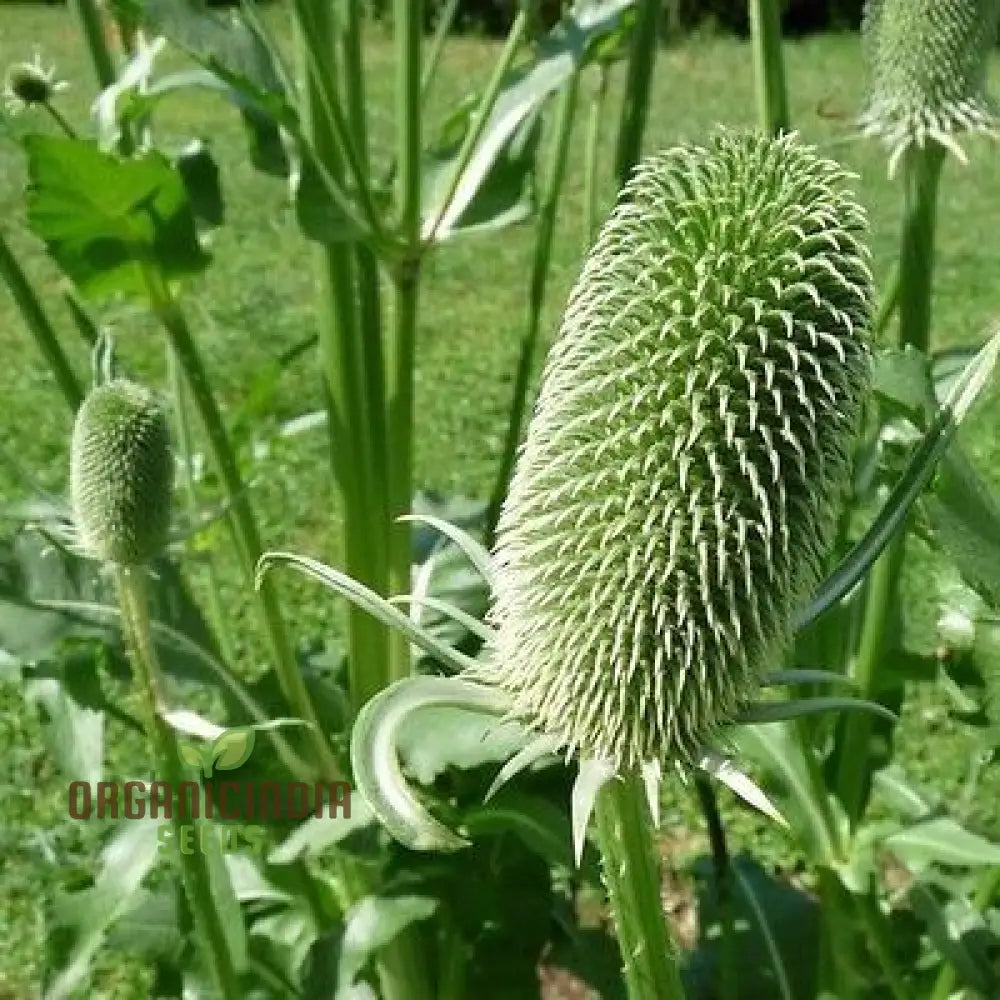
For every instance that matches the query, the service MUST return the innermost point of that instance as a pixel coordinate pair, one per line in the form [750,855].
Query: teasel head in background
[927,64]
[121,474]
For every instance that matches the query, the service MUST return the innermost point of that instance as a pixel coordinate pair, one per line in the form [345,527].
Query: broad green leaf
[953,928]
[317,834]
[375,754]
[434,739]
[233,748]
[200,176]
[964,517]
[541,825]
[902,378]
[570,45]
[780,755]
[900,793]
[371,924]
[104,219]
[952,411]
[941,840]
[125,862]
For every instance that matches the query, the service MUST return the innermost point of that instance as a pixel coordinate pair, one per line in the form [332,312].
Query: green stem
[853,760]
[591,156]
[39,325]
[480,119]
[170,316]
[729,987]
[640,75]
[880,940]
[185,451]
[539,278]
[769,67]
[632,876]
[989,886]
[58,117]
[97,45]
[921,176]
[836,978]
[445,20]
[888,303]
[210,934]
[408,33]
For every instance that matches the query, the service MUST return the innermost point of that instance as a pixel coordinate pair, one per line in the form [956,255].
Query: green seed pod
[690,446]
[121,473]
[928,61]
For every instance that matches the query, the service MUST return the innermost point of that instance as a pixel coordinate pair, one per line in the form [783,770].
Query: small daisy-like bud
[690,447]
[28,84]
[927,62]
[121,474]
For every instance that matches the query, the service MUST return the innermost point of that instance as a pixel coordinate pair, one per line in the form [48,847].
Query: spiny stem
[211,936]
[637,85]
[539,279]
[769,68]
[168,312]
[632,877]
[39,325]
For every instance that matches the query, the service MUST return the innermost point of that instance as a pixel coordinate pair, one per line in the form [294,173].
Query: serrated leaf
[103,219]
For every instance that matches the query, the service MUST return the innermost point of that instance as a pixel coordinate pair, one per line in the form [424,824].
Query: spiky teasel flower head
[121,474]
[690,445]
[27,84]
[927,62]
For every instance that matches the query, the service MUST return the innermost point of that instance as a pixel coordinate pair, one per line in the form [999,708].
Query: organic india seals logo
[234,802]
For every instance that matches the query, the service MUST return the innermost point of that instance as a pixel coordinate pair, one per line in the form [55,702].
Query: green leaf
[224,898]
[490,188]
[319,217]
[200,176]
[890,519]
[964,517]
[540,824]
[103,219]
[233,748]
[902,378]
[943,841]
[126,860]
[371,924]
[317,834]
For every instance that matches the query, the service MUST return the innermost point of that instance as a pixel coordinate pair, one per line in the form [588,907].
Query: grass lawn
[256,301]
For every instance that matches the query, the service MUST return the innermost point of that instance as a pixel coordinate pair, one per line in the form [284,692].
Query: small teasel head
[690,447]
[927,64]
[29,84]
[121,474]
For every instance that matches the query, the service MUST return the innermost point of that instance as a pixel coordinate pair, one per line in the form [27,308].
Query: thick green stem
[632,877]
[210,934]
[854,757]
[408,31]
[536,299]
[350,370]
[769,67]
[640,75]
[170,316]
[97,44]
[837,958]
[38,324]
[921,176]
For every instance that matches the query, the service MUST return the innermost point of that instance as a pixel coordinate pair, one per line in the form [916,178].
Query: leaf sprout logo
[227,752]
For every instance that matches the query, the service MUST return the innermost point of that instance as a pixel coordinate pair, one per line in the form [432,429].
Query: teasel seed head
[690,447]
[121,474]
[927,62]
